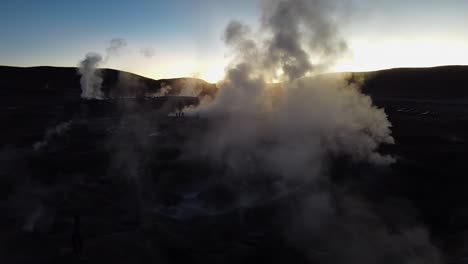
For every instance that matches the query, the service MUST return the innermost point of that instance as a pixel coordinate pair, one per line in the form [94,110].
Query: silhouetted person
[77,239]
[182,114]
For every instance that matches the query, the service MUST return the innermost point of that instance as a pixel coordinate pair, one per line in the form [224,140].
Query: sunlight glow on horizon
[372,56]
[181,68]
[380,34]
[364,56]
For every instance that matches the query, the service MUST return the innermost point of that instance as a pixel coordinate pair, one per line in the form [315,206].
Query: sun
[213,74]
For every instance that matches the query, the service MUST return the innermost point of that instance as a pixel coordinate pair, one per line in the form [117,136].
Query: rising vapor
[304,118]
[91,79]
[148,52]
[56,131]
[115,48]
[287,132]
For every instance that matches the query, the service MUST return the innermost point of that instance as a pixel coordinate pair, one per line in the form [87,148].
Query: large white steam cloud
[288,131]
[291,127]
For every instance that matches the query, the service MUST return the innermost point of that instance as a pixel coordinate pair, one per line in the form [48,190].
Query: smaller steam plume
[190,88]
[56,131]
[148,52]
[115,48]
[164,90]
[91,80]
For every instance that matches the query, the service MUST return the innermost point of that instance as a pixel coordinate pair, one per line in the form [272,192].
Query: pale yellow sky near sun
[365,55]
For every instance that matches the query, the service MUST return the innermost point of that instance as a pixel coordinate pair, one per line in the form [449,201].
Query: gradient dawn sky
[183,37]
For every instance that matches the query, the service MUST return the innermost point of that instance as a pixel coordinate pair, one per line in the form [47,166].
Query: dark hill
[438,83]
[33,99]
[40,97]
[127,172]
[441,83]
[65,83]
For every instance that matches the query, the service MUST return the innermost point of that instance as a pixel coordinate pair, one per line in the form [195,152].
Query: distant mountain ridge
[440,83]
[65,82]
[436,83]
[37,98]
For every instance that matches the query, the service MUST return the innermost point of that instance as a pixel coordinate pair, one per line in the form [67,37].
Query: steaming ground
[303,171]
[144,196]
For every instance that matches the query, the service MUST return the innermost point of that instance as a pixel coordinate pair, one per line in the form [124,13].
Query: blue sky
[186,34]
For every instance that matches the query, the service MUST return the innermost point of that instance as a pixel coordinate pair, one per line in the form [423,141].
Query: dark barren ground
[120,165]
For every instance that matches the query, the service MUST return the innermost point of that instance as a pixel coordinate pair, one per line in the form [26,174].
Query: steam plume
[148,52]
[163,90]
[91,80]
[289,131]
[115,47]
[56,131]
[304,118]
[301,30]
